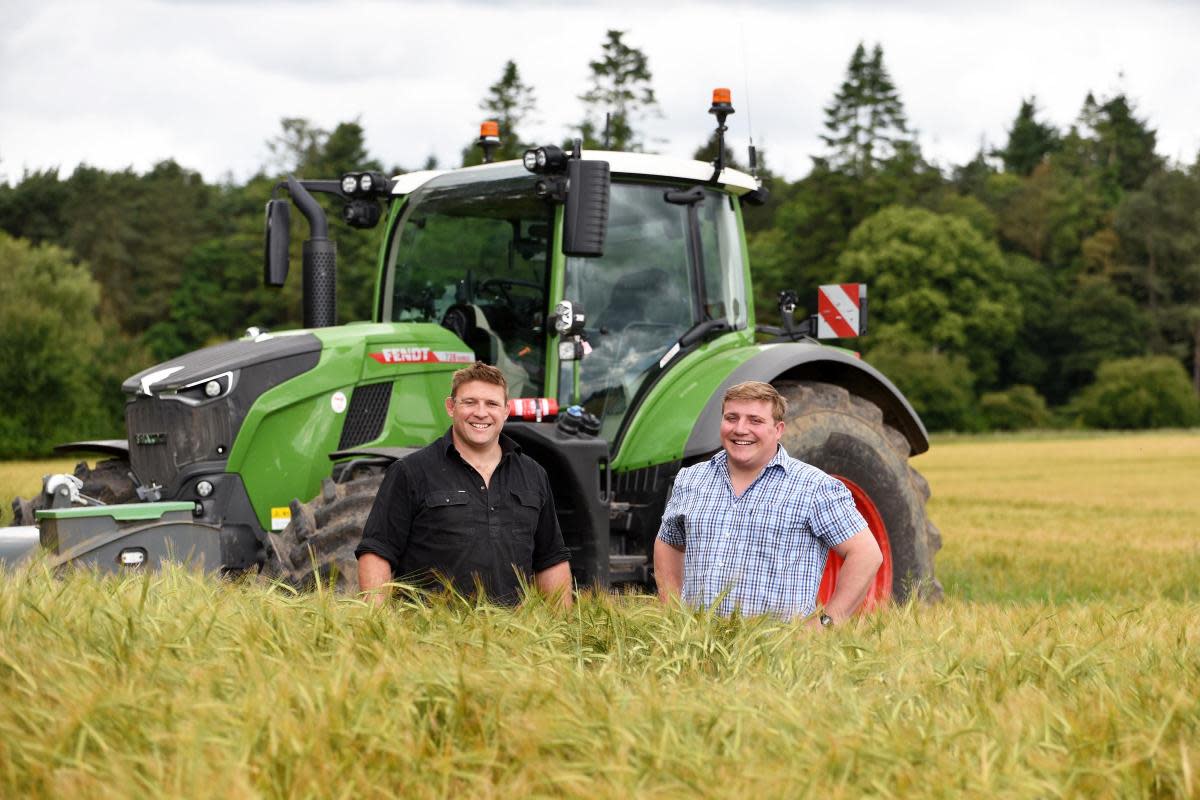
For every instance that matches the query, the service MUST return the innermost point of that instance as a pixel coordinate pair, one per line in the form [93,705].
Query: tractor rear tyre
[845,435]
[111,482]
[319,542]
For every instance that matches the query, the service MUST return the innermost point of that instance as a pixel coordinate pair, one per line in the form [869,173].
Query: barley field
[1064,662]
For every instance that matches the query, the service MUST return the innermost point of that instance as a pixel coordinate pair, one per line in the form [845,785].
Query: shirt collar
[507,445]
[720,459]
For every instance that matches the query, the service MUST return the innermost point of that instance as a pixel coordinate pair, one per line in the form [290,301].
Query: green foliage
[865,124]
[938,385]
[936,280]
[1159,247]
[52,347]
[1048,215]
[620,86]
[1017,408]
[1111,145]
[35,208]
[1029,141]
[1069,325]
[1132,393]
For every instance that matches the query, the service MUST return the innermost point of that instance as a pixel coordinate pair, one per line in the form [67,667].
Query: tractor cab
[476,252]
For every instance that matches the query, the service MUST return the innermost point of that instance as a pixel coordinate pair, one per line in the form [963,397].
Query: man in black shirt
[470,508]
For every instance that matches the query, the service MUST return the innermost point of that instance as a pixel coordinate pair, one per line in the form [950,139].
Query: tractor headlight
[365,182]
[545,159]
[349,184]
[204,390]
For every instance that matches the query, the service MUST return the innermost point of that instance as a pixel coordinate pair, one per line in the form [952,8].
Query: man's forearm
[373,573]
[855,576]
[668,570]
[555,583]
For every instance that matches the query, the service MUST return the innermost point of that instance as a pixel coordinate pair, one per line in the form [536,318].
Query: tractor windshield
[473,255]
[667,266]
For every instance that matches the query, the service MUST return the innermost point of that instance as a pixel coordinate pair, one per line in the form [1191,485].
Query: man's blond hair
[757,390]
[478,371]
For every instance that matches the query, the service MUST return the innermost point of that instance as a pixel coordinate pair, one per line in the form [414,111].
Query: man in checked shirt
[751,528]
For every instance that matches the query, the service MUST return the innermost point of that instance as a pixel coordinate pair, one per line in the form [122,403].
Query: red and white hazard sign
[841,310]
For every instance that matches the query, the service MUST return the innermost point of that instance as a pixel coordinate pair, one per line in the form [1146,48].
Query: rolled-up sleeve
[390,520]
[672,530]
[834,518]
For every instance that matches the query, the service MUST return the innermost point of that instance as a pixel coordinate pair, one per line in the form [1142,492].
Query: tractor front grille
[367,413]
[165,435]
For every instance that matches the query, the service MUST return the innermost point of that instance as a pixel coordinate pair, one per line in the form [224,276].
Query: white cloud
[130,82]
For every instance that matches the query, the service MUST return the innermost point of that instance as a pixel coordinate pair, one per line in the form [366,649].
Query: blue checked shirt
[766,550]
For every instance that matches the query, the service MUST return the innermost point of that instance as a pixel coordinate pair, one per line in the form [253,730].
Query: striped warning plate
[841,310]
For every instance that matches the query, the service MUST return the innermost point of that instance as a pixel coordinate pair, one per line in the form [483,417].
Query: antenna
[746,80]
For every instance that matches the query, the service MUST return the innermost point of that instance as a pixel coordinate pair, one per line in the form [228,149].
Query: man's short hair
[757,390]
[478,371]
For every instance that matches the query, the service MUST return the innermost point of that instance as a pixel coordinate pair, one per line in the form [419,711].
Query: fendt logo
[420,355]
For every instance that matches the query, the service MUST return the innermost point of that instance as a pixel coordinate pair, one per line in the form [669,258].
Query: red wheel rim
[880,591]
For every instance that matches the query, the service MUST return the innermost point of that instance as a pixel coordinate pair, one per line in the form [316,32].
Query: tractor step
[628,569]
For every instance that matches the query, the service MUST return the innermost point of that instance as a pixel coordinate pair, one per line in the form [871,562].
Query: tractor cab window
[721,254]
[648,289]
[473,257]
[638,299]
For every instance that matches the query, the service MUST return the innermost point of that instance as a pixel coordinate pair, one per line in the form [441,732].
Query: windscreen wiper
[697,333]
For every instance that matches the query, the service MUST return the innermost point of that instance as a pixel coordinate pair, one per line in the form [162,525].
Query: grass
[1049,671]
[1107,517]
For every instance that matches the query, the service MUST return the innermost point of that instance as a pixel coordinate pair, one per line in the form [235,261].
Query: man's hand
[862,559]
[555,583]
[668,570]
[373,573]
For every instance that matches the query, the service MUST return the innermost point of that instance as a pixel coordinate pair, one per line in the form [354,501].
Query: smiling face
[477,413]
[749,434]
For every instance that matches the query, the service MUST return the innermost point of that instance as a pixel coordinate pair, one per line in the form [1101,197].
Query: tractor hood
[189,410]
[192,371]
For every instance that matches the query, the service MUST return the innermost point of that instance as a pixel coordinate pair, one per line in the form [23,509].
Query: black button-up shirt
[435,516]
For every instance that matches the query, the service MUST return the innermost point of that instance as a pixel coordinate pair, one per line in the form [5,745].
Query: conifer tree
[621,89]
[865,124]
[1029,141]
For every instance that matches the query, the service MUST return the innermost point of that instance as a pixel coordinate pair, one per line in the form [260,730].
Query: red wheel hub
[880,591]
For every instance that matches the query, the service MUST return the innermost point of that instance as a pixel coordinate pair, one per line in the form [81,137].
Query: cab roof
[637,164]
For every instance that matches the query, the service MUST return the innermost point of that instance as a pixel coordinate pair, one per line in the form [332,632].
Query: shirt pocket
[447,512]
[526,510]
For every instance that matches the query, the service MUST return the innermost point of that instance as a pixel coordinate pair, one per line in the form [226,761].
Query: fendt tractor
[613,291]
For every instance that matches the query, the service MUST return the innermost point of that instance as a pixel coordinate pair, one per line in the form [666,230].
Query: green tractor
[613,291]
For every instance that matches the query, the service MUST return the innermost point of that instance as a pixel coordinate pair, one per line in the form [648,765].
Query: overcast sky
[123,83]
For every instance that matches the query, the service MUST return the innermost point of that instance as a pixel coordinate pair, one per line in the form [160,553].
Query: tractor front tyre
[318,543]
[845,435]
[110,481]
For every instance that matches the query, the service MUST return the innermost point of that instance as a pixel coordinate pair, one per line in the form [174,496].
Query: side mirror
[585,218]
[277,238]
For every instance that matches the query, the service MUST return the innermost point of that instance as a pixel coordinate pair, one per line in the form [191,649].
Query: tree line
[1053,280]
